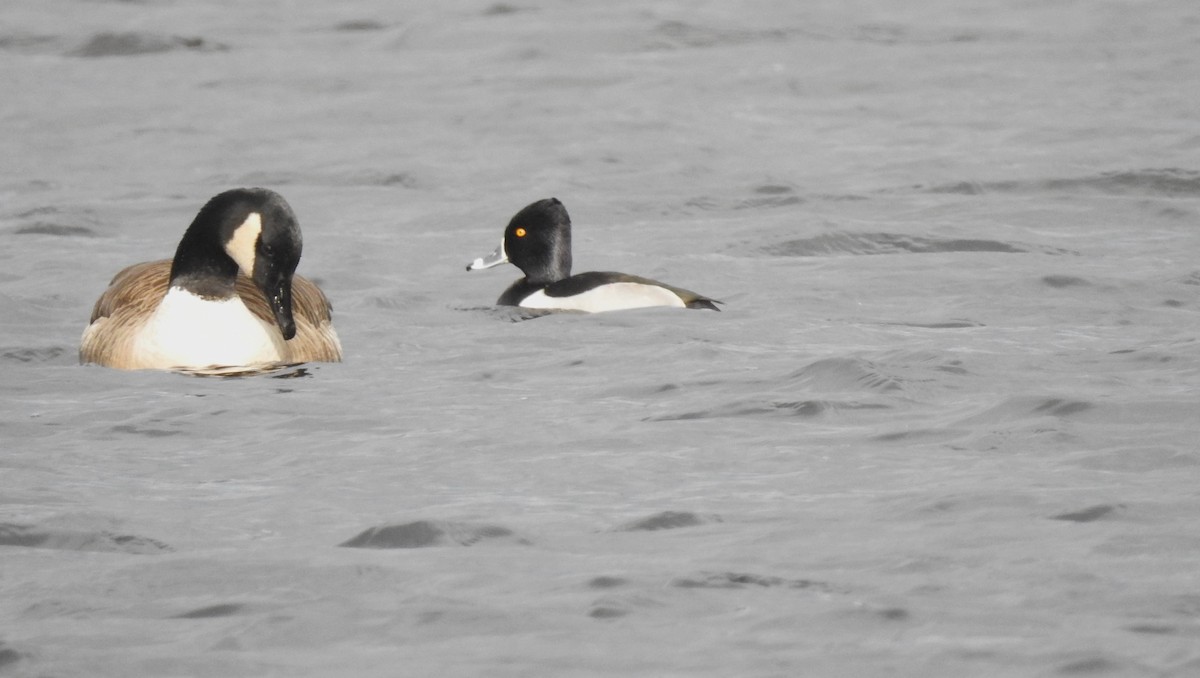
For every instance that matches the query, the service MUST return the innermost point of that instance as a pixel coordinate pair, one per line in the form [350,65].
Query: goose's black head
[249,229]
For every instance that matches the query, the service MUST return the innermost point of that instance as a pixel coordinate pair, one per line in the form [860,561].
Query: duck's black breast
[516,293]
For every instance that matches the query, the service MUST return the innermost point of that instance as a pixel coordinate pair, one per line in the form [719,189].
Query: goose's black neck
[201,265]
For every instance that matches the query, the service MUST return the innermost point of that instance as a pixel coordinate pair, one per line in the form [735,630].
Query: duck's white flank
[610,297]
[188,330]
[241,247]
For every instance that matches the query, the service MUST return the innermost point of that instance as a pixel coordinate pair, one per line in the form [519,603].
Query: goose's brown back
[136,291]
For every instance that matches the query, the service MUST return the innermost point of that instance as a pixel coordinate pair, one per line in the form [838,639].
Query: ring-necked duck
[229,299]
[538,241]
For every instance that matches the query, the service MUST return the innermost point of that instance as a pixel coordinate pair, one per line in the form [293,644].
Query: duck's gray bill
[494,259]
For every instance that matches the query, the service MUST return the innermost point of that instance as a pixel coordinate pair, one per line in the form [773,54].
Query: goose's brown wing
[130,299]
[315,340]
[136,290]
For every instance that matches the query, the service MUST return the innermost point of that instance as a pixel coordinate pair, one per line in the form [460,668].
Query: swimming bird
[538,241]
[229,299]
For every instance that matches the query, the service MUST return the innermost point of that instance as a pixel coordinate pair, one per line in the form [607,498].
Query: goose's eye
[520,232]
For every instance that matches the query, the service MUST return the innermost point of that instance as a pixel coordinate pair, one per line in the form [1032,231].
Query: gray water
[946,425]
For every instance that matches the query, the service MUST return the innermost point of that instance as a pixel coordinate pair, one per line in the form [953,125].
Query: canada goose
[229,299]
[538,241]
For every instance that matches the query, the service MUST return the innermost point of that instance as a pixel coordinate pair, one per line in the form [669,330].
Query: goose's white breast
[189,331]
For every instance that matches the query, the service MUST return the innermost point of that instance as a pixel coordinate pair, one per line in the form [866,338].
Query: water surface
[946,424]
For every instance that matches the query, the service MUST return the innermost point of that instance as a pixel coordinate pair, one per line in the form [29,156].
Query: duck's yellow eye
[520,232]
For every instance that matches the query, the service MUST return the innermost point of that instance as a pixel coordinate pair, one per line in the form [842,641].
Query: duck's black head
[538,241]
